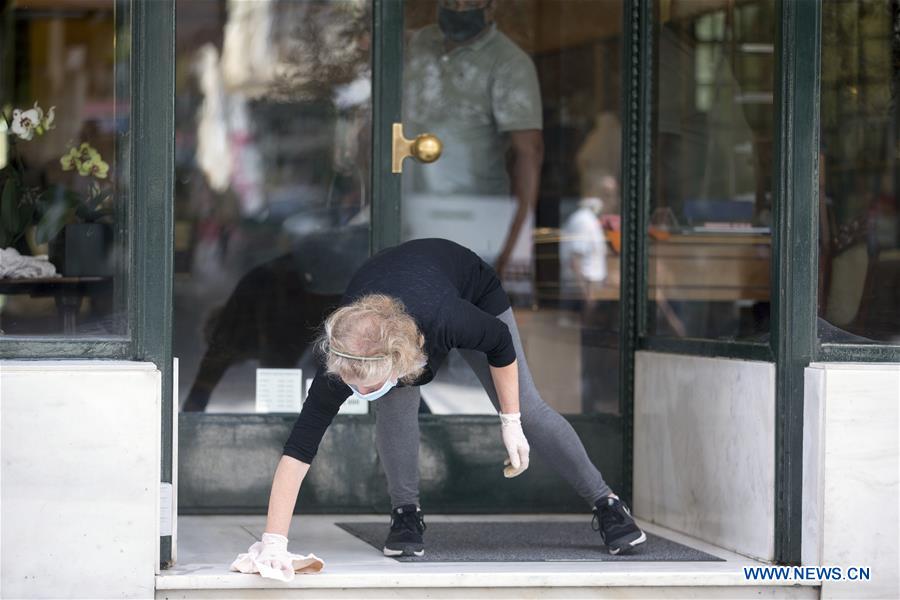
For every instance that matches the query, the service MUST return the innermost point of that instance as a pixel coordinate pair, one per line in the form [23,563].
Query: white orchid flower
[24,122]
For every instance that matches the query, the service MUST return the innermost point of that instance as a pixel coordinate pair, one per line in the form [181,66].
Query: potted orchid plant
[21,199]
[35,215]
[88,223]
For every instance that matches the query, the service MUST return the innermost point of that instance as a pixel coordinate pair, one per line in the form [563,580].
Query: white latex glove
[270,558]
[516,445]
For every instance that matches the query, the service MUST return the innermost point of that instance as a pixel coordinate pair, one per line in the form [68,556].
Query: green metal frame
[798,34]
[637,32]
[153,172]
[387,86]
[861,353]
[709,348]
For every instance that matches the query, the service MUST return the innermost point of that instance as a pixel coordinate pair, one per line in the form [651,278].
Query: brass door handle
[425,148]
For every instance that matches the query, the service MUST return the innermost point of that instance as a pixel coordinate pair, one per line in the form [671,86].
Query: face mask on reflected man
[461,25]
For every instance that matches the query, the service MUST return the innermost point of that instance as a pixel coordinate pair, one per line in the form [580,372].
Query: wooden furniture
[684,266]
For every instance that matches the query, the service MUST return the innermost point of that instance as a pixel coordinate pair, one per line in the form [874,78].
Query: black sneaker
[407,527]
[616,526]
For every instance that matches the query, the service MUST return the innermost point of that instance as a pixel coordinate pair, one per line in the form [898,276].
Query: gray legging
[548,433]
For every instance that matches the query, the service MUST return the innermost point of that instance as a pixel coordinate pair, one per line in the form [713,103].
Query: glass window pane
[64,136]
[859,209]
[544,74]
[272,200]
[709,234]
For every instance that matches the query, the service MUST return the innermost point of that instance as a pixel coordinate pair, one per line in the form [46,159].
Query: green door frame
[153,168]
[637,48]
[795,264]
[387,94]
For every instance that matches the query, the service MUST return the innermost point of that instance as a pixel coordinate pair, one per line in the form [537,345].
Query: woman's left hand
[516,445]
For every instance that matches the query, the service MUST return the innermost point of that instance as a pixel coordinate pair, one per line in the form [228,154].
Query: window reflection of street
[273,119]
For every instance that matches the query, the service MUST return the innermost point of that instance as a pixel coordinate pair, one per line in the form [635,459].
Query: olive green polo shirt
[471,98]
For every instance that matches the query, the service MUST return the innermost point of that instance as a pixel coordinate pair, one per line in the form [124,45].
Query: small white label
[279,390]
[351,406]
[165,508]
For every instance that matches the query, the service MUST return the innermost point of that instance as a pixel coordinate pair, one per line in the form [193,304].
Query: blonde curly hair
[371,340]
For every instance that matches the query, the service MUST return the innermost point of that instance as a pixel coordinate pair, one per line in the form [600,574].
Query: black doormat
[524,541]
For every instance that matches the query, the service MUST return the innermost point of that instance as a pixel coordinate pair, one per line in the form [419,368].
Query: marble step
[501,584]
[206,545]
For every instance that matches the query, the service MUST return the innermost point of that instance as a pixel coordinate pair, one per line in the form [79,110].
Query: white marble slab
[704,449]
[351,564]
[813,466]
[507,593]
[860,486]
[79,503]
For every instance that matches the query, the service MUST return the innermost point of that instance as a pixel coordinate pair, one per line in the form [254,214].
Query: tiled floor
[206,546]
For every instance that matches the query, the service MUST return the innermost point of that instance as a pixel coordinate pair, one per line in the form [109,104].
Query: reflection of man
[583,250]
[469,84]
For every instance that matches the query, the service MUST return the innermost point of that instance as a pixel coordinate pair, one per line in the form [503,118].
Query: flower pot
[87,250]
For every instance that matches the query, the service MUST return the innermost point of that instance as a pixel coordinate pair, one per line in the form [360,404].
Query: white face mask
[372,396]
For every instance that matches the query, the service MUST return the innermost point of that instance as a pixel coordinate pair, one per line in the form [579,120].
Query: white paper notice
[352,406]
[279,390]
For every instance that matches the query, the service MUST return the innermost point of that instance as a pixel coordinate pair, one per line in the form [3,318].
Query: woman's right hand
[273,554]
[270,558]
[517,447]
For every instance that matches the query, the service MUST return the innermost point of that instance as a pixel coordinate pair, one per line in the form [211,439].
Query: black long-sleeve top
[454,297]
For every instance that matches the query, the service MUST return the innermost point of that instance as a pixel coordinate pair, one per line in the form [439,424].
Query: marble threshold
[207,544]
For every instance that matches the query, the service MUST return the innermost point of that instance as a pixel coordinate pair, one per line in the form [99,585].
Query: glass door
[514,114]
[283,179]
